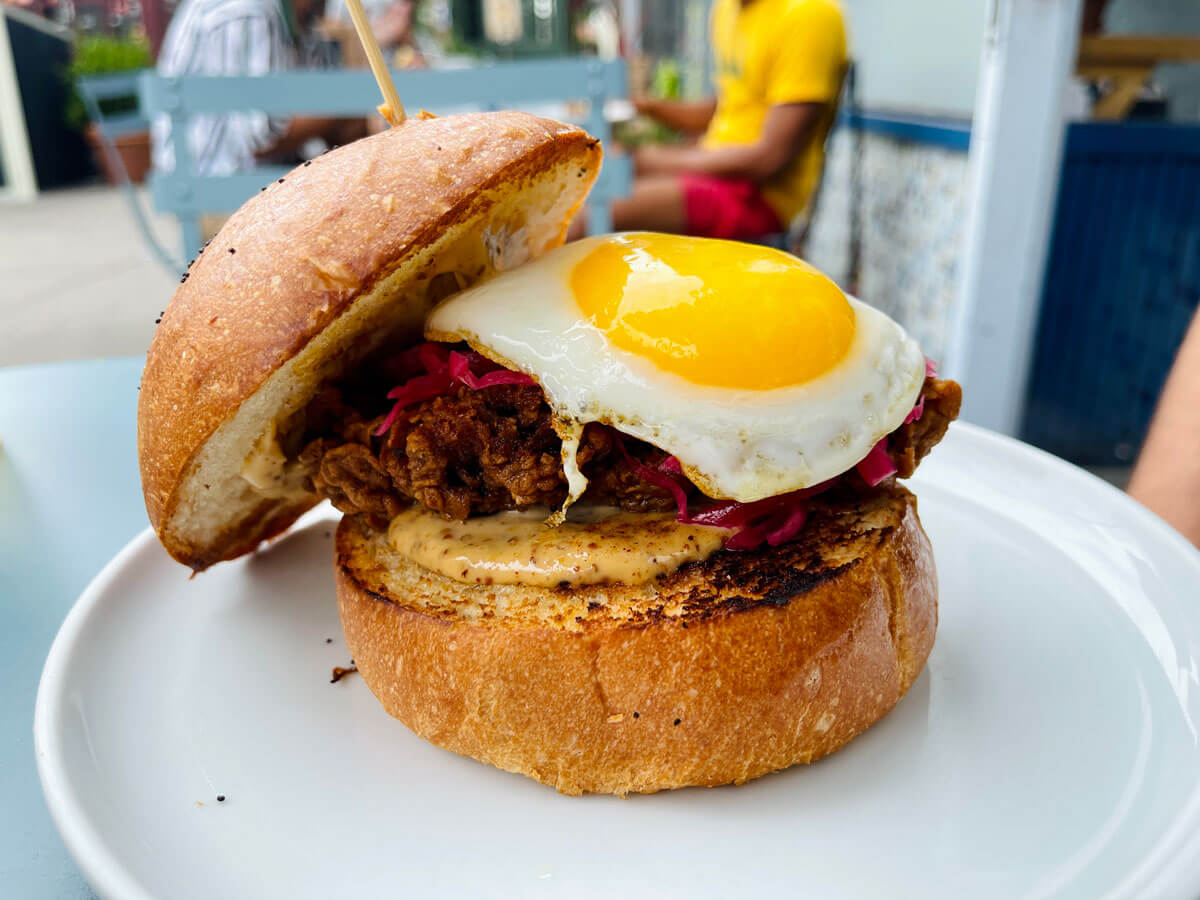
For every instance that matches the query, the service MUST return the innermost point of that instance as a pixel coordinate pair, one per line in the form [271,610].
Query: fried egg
[747,364]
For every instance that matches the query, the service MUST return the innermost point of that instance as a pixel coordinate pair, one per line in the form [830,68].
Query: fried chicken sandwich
[621,515]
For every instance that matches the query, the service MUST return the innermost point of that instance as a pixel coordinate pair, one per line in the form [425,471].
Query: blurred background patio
[1065,323]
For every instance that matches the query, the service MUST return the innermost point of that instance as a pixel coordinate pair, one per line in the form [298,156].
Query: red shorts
[729,208]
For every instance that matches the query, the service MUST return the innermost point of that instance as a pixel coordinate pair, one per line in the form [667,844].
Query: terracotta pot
[134,149]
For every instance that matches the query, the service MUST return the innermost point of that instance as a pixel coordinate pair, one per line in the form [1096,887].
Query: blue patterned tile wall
[913,200]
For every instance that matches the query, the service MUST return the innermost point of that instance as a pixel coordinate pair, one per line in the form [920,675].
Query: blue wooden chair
[93,91]
[526,84]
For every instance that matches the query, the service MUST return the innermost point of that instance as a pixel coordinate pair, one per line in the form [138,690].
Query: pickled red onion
[877,465]
[917,411]
[659,476]
[443,368]
[772,520]
[460,370]
[416,389]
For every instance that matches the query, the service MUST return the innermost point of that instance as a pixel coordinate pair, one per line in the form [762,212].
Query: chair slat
[544,86]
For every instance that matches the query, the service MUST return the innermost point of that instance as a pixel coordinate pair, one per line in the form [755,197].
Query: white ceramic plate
[1049,749]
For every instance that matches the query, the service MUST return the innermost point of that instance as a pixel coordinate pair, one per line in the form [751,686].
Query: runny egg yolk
[714,312]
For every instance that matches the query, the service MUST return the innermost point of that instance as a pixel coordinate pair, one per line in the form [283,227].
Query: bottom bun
[721,672]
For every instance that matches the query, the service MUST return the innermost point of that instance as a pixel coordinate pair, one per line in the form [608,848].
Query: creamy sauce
[594,544]
[268,471]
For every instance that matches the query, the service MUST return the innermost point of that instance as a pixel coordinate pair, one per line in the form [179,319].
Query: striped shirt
[225,37]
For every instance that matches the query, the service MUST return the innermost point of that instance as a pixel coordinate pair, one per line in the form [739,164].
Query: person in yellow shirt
[760,151]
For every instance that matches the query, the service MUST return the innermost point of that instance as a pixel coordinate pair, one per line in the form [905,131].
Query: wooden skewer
[391,108]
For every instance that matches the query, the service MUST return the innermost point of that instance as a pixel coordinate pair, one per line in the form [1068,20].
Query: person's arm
[299,130]
[393,27]
[688,116]
[803,77]
[285,138]
[786,131]
[1167,475]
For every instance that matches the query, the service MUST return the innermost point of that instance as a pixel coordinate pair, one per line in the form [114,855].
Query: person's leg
[656,203]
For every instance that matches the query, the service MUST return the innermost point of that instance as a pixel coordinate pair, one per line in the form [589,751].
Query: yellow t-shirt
[771,52]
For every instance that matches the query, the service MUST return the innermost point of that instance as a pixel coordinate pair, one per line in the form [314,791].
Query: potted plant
[99,54]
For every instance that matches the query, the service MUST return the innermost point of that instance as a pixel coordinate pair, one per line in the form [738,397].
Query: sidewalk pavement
[76,279]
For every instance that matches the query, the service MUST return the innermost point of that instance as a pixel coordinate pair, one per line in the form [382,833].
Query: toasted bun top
[310,276]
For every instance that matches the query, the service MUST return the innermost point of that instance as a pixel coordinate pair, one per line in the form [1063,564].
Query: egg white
[732,443]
